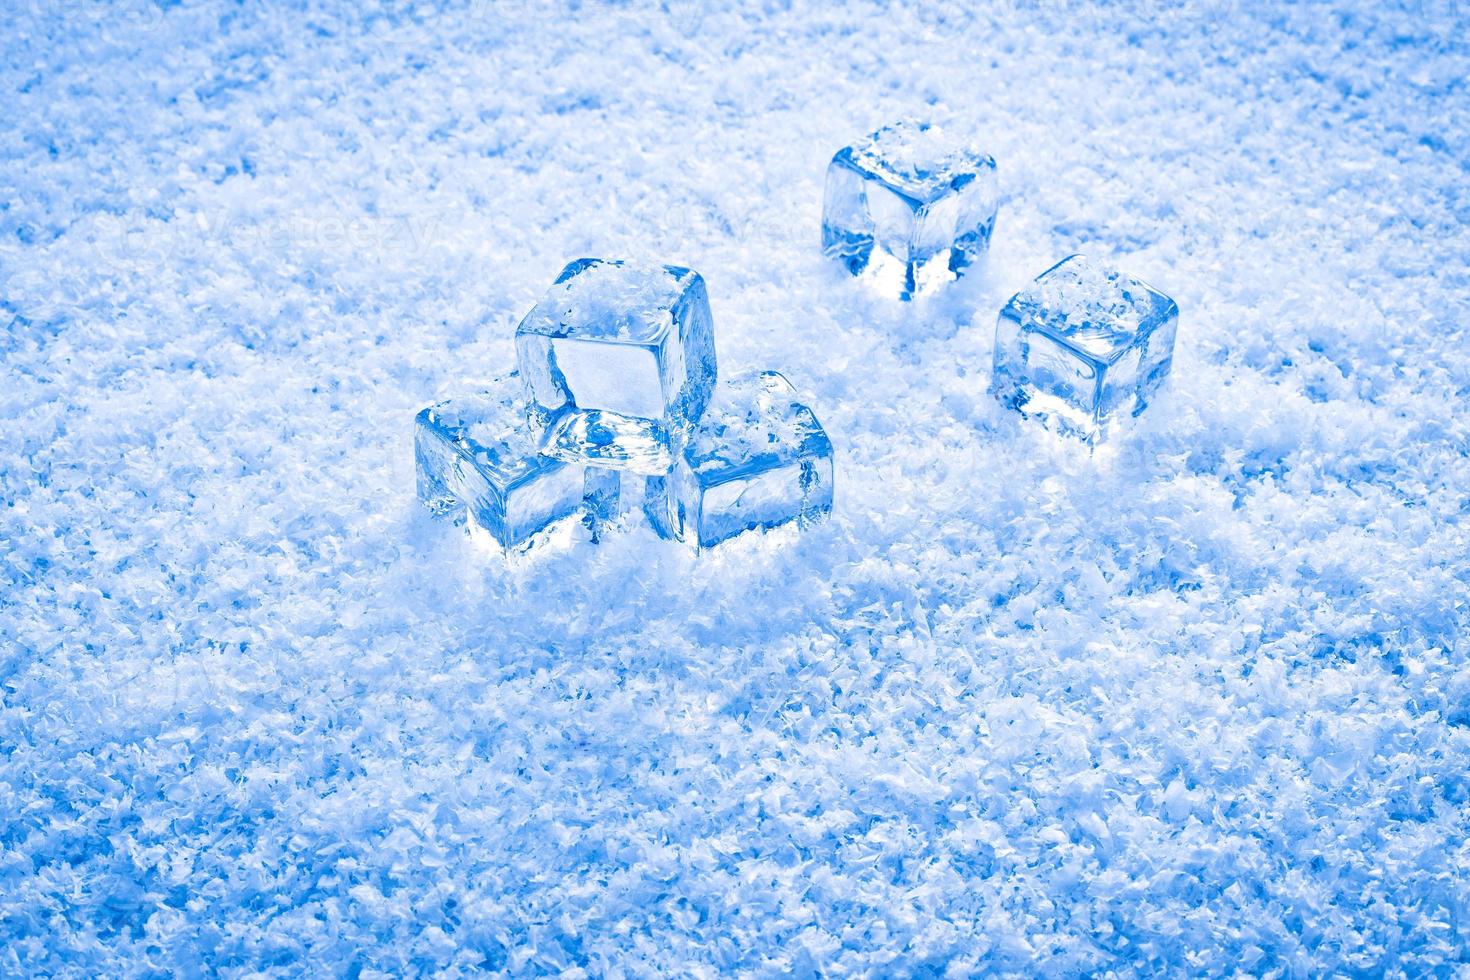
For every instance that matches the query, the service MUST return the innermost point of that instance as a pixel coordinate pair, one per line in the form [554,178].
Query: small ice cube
[758,458]
[1083,345]
[477,455]
[909,207]
[621,359]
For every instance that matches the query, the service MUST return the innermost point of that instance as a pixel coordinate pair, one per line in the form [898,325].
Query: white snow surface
[1197,703]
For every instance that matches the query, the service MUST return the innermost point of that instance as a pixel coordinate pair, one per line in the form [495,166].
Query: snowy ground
[1200,702]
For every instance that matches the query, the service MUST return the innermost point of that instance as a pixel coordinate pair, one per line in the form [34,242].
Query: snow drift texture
[1199,702]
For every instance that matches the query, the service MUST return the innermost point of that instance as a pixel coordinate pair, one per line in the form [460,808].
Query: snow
[1198,702]
[611,302]
[1096,309]
[923,160]
[756,419]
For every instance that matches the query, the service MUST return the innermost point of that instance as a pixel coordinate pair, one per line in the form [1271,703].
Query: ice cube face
[478,455]
[620,359]
[909,208]
[602,495]
[757,459]
[1083,346]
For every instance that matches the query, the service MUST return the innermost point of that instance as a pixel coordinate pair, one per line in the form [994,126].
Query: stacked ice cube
[620,360]
[617,381]
[758,458]
[478,457]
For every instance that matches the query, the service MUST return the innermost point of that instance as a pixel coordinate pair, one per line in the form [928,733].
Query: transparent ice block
[620,358]
[757,459]
[477,455]
[1083,346]
[909,207]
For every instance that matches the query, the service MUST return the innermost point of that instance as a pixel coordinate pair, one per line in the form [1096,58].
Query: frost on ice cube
[620,359]
[1083,345]
[909,207]
[757,459]
[477,455]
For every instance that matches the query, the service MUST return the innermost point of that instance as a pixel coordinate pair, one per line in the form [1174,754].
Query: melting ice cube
[477,455]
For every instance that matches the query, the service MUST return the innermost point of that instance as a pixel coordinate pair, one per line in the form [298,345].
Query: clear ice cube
[620,359]
[1082,346]
[909,208]
[757,459]
[477,455]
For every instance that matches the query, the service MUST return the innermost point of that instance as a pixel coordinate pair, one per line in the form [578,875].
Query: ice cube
[909,207]
[758,458]
[620,358]
[477,455]
[1082,346]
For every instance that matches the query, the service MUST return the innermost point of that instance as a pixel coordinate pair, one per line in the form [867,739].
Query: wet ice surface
[1092,306]
[924,161]
[610,300]
[1193,704]
[610,440]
